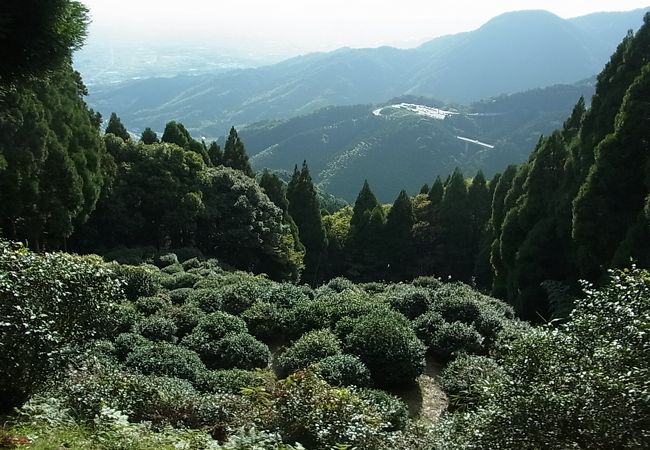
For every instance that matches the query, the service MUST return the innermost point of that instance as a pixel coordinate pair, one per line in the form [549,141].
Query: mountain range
[510,53]
[408,141]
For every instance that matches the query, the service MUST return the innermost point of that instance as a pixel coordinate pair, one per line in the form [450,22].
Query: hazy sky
[298,26]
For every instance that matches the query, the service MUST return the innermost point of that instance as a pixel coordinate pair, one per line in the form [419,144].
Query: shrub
[138,281]
[410,301]
[394,412]
[166,260]
[340,284]
[239,296]
[133,256]
[171,270]
[312,412]
[208,299]
[454,338]
[157,328]
[427,325]
[180,295]
[388,347]
[310,348]
[326,310]
[185,317]
[49,305]
[151,305]
[192,263]
[344,370]
[457,302]
[265,320]
[125,343]
[218,324]
[468,379]
[489,324]
[124,318]
[428,282]
[163,358]
[180,280]
[284,295]
[242,351]
[229,381]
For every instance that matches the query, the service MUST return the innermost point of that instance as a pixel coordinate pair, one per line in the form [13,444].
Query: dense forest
[233,310]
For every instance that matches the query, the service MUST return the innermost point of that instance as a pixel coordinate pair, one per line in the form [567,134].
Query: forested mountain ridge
[542,50]
[579,205]
[410,140]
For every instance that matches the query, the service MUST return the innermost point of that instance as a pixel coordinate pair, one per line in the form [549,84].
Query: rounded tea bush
[457,302]
[344,370]
[192,263]
[151,305]
[284,295]
[185,317]
[410,301]
[310,348]
[180,295]
[239,296]
[265,320]
[163,358]
[388,347]
[138,281]
[242,351]
[124,317]
[229,381]
[125,343]
[392,409]
[218,324]
[166,260]
[158,328]
[208,299]
[427,325]
[454,338]
[171,270]
[180,280]
[465,379]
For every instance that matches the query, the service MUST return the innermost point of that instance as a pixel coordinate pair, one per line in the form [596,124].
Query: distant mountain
[410,140]
[512,52]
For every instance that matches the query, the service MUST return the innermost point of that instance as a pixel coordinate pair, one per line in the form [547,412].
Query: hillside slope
[510,53]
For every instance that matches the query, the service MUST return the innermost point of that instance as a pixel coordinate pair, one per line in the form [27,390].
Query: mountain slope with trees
[520,51]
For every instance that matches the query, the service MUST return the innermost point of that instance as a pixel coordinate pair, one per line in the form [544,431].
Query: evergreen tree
[115,127]
[305,211]
[436,192]
[425,189]
[234,154]
[53,159]
[276,190]
[215,154]
[456,228]
[37,36]
[175,133]
[363,206]
[149,137]
[399,245]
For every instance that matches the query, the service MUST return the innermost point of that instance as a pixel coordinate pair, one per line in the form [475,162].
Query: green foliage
[180,280]
[408,300]
[54,162]
[218,324]
[453,338]
[49,305]
[310,348]
[180,295]
[149,137]
[157,328]
[388,347]
[116,128]
[241,351]
[138,281]
[319,416]
[305,211]
[185,317]
[344,370]
[151,305]
[165,359]
[234,154]
[207,299]
[468,380]
[265,320]
[125,343]
[230,381]
[393,411]
[39,36]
